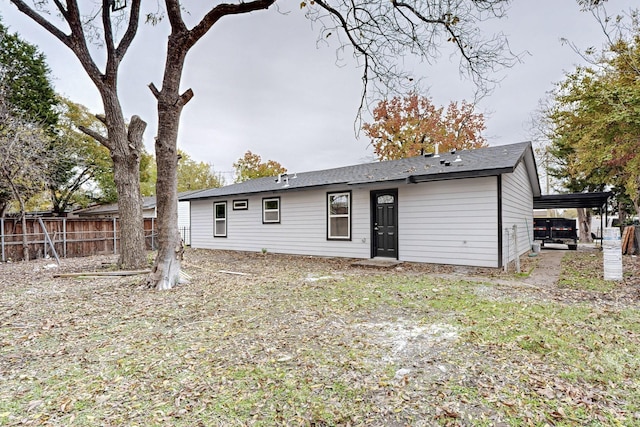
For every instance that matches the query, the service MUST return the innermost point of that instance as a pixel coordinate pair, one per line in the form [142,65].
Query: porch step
[378,262]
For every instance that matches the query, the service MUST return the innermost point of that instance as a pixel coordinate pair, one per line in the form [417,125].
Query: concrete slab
[378,262]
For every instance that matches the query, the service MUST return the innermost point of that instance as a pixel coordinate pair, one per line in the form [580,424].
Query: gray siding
[302,228]
[444,222]
[450,222]
[517,209]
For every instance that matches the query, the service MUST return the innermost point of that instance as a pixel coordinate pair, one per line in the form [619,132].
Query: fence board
[72,237]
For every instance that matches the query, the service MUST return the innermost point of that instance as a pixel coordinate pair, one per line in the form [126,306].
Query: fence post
[35,241]
[64,237]
[115,251]
[2,238]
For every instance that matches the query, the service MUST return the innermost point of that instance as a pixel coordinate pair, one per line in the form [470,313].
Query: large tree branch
[75,41]
[132,28]
[111,68]
[31,13]
[97,136]
[218,12]
[174,14]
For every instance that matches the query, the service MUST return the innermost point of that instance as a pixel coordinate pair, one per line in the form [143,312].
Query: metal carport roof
[572,200]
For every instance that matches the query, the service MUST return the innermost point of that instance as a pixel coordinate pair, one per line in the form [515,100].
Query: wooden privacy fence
[71,237]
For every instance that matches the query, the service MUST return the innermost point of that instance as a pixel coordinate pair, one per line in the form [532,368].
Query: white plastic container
[612,254]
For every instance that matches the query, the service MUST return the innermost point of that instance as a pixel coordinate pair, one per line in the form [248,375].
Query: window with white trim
[271,210]
[339,216]
[220,219]
[240,205]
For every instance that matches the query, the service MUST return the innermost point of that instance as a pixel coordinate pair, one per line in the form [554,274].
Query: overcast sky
[263,84]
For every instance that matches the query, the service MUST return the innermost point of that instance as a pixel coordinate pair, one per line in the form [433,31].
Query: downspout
[499,207]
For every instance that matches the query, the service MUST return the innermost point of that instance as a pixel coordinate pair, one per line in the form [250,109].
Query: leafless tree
[22,159]
[77,30]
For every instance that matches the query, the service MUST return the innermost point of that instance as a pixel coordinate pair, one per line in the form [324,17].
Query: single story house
[456,208]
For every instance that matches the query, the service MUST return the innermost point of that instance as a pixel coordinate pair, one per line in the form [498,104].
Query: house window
[339,216]
[271,210]
[220,219]
[240,205]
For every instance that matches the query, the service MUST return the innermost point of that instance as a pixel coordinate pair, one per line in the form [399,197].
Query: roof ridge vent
[282,176]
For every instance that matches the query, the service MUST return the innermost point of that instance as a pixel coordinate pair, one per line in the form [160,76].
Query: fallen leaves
[300,341]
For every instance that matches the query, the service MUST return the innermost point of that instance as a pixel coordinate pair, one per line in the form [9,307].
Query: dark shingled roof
[488,161]
[572,200]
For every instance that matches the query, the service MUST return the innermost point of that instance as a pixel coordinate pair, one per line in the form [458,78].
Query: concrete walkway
[547,272]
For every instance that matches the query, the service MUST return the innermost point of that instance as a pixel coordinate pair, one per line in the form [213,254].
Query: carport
[576,200]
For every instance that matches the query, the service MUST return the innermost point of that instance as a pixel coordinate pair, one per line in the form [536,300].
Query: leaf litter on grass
[409,346]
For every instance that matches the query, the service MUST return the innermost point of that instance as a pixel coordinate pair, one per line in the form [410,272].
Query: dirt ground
[541,271]
[75,350]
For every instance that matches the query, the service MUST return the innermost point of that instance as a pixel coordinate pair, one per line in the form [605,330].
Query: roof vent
[428,154]
[437,150]
[442,161]
[458,159]
[453,151]
[447,163]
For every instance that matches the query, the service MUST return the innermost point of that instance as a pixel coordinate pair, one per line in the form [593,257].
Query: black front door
[384,205]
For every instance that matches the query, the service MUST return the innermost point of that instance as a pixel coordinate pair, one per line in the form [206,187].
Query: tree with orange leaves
[251,166]
[409,126]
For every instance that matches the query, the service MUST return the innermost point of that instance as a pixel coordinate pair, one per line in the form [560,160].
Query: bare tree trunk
[126,146]
[166,269]
[584,224]
[132,250]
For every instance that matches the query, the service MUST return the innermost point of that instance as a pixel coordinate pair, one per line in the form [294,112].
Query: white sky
[261,82]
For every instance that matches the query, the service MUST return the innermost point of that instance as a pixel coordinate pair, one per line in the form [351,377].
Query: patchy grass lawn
[317,342]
